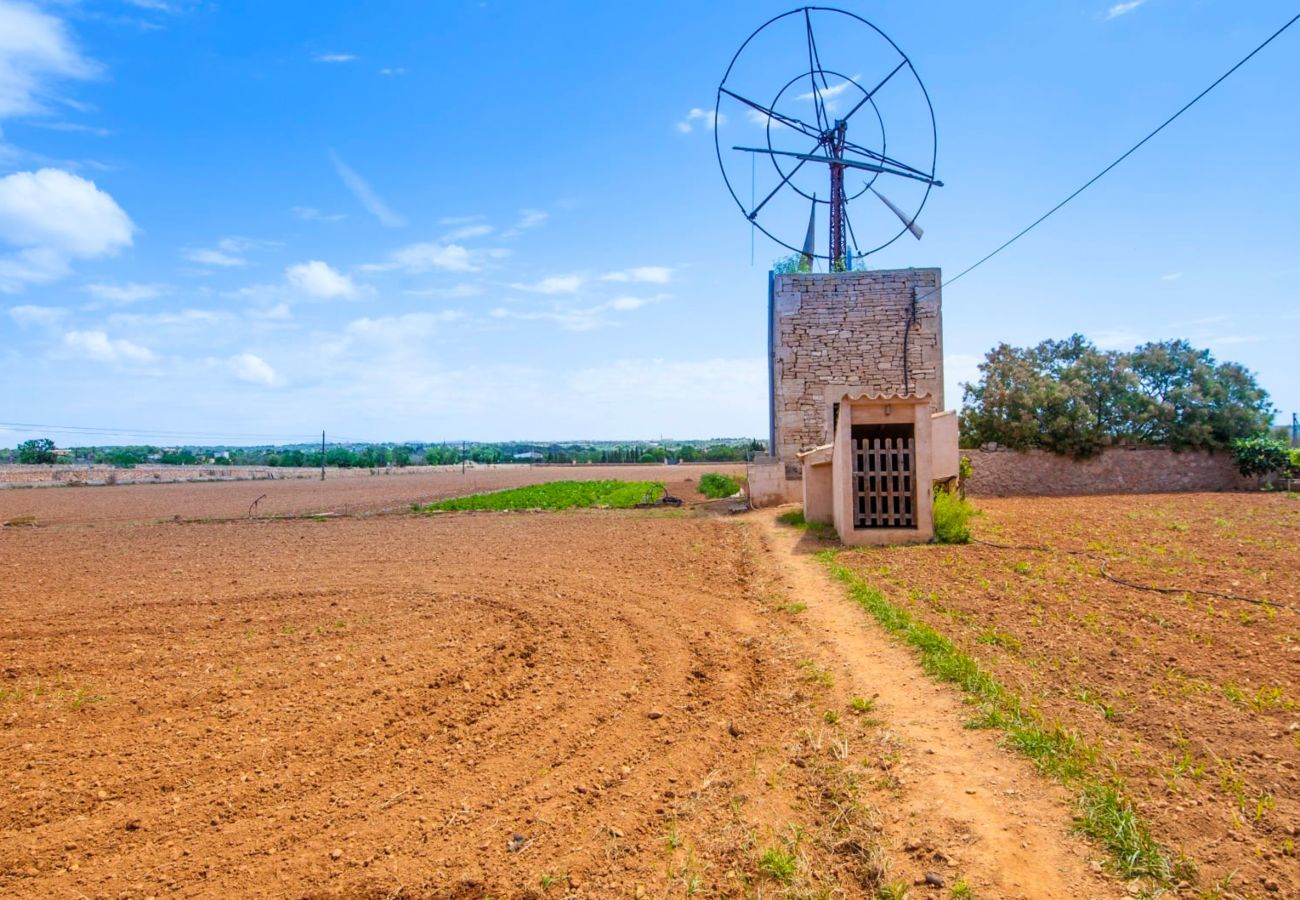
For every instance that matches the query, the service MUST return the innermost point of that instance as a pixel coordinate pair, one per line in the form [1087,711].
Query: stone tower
[875,331]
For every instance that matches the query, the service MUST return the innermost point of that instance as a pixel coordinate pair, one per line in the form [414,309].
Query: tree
[1260,455]
[1071,398]
[1192,402]
[36,451]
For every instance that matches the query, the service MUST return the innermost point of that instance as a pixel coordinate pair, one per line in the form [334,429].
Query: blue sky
[494,220]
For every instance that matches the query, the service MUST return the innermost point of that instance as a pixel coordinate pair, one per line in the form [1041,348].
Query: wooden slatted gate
[884,486]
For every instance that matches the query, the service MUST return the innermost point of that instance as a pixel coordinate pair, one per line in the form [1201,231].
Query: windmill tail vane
[917,231]
[810,241]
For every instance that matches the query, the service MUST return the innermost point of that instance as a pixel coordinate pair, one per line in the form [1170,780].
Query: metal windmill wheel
[820,107]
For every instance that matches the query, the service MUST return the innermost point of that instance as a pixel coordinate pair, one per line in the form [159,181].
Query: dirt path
[984,809]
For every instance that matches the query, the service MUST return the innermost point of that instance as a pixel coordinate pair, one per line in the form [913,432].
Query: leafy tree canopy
[37,450]
[1071,398]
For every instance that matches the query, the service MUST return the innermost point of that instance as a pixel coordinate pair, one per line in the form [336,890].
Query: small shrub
[964,469]
[1260,455]
[1295,460]
[952,515]
[716,486]
[791,265]
[778,864]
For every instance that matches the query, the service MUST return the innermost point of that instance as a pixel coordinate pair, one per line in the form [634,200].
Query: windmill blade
[917,231]
[810,242]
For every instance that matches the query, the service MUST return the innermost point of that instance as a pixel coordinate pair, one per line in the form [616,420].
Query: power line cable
[1094,179]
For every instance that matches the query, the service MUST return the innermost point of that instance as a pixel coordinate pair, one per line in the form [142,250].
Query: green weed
[777,864]
[717,486]
[548,880]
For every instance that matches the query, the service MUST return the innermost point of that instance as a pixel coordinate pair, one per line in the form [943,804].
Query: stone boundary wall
[1150,470]
[846,331]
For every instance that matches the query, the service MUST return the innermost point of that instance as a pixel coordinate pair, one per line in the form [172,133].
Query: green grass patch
[1104,813]
[716,486]
[795,519]
[558,495]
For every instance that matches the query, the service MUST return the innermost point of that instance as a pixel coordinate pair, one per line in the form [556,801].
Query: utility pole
[1295,431]
[322,454]
[462,457]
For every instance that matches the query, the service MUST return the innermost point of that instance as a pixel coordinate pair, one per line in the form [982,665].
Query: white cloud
[253,369]
[37,315]
[390,71]
[229,253]
[827,94]
[365,195]
[52,217]
[460,220]
[35,50]
[577,318]
[318,279]
[208,257]
[280,312]
[531,218]
[100,347]
[1123,9]
[312,214]
[556,284]
[1116,339]
[528,218]
[456,291]
[425,257]
[641,274]
[65,212]
[624,304]
[197,321]
[1172,276]
[393,329]
[335,57]
[708,117]
[466,232]
[131,292]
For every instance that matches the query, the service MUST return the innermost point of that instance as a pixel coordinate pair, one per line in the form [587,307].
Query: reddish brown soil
[351,493]
[1195,699]
[376,706]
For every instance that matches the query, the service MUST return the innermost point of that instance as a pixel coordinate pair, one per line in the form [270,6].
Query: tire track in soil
[962,789]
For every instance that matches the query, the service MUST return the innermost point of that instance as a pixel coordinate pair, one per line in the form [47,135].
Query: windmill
[850,151]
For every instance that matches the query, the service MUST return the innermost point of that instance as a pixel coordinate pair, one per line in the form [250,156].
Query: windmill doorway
[884,476]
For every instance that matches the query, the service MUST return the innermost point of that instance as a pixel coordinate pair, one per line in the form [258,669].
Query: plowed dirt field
[1194,699]
[588,704]
[344,495]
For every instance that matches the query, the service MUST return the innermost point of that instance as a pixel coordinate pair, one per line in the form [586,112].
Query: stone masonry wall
[847,330]
[1037,473]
